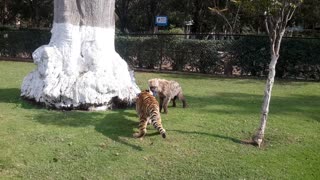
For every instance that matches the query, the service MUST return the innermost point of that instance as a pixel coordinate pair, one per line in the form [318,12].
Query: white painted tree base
[79,69]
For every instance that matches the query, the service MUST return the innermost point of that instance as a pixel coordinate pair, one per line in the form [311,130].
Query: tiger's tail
[156,122]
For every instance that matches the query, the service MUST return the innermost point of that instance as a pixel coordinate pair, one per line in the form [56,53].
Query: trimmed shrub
[299,58]
[22,43]
[249,55]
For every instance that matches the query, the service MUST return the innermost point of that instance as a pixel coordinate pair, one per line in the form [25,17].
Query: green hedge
[22,43]
[299,58]
[251,55]
[245,55]
[181,54]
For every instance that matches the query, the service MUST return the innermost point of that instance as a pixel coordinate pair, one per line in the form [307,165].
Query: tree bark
[122,12]
[275,27]
[79,68]
[258,138]
[5,12]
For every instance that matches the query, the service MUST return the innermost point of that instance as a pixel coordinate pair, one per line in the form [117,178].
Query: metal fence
[221,54]
[204,53]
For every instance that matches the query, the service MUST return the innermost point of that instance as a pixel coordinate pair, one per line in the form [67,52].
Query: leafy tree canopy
[217,16]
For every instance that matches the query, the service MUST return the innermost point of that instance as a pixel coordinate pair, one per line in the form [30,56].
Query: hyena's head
[153,85]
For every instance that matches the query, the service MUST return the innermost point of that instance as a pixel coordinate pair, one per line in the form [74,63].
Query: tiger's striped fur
[148,110]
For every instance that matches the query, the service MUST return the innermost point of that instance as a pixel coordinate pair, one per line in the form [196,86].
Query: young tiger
[148,111]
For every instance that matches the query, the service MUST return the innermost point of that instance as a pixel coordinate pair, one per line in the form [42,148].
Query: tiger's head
[144,92]
[147,91]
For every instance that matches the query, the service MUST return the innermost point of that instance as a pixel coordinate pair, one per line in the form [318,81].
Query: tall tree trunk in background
[153,11]
[121,10]
[5,12]
[35,16]
[196,16]
[79,68]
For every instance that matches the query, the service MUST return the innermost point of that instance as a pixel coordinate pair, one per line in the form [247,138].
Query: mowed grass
[203,140]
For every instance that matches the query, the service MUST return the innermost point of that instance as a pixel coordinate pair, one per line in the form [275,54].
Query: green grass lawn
[203,141]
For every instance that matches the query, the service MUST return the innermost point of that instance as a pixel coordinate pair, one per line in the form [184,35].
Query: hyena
[166,91]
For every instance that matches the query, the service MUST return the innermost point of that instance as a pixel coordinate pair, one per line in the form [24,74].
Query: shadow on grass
[12,95]
[117,125]
[208,134]
[243,103]
[114,125]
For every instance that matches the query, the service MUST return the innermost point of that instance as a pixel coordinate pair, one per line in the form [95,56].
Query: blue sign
[161,20]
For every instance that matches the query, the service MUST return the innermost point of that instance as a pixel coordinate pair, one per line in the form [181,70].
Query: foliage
[202,142]
[249,55]
[130,48]
[194,55]
[138,15]
[299,58]
[30,13]
[198,56]
[309,15]
[22,43]
[229,12]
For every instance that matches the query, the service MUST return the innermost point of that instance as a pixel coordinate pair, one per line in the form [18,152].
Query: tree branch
[217,11]
[235,19]
[267,26]
[291,14]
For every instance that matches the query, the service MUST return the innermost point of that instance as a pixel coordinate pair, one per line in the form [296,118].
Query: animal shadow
[115,125]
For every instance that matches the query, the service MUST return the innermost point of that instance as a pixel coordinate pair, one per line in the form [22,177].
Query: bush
[191,55]
[142,52]
[201,56]
[299,58]
[22,43]
[250,55]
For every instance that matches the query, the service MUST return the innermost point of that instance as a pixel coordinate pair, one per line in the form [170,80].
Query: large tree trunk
[258,138]
[79,68]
